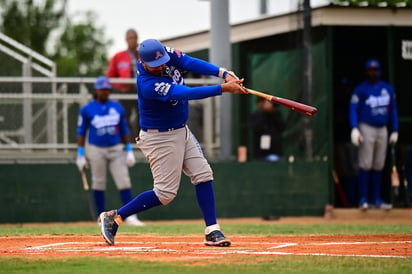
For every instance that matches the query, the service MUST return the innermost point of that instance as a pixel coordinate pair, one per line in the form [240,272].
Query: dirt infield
[190,248]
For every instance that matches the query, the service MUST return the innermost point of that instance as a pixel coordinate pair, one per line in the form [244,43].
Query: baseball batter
[372,109]
[165,139]
[106,124]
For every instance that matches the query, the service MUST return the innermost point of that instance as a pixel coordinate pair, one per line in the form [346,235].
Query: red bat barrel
[293,105]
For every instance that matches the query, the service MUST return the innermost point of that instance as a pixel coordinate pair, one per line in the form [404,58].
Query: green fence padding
[53,192]
[280,73]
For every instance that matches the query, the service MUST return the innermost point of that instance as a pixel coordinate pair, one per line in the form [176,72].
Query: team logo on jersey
[162,88]
[123,65]
[110,119]
[179,53]
[175,74]
[378,101]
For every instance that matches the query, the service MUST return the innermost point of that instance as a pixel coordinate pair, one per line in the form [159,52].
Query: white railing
[38,116]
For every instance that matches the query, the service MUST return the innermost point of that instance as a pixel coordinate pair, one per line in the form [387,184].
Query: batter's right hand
[356,136]
[81,162]
[234,86]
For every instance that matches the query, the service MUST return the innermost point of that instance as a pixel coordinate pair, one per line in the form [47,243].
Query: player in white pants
[106,124]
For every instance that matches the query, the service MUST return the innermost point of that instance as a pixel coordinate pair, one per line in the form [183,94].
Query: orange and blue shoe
[109,223]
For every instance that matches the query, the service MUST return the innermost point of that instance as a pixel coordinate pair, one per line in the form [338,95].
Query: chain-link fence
[38,116]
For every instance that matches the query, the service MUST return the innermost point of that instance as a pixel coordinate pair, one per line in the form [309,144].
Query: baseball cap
[153,53]
[372,64]
[102,82]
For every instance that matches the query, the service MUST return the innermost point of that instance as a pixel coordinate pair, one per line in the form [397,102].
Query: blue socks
[206,200]
[376,180]
[142,202]
[363,186]
[126,195]
[148,199]
[99,201]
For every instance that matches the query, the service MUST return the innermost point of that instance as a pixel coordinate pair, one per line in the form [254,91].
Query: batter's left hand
[130,159]
[234,86]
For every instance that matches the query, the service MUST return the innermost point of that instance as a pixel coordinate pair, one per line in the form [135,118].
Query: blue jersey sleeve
[188,63]
[353,109]
[83,122]
[162,88]
[393,114]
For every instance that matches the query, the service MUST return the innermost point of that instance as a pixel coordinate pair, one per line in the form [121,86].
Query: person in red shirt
[123,65]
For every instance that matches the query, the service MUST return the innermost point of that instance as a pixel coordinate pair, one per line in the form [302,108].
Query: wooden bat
[86,188]
[293,105]
[84,180]
[394,174]
[340,190]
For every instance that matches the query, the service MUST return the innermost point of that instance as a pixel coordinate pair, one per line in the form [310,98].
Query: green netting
[280,73]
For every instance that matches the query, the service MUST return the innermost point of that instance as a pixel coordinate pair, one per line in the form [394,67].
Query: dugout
[268,53]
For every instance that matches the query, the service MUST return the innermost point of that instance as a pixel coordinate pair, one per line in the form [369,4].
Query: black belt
[162,129]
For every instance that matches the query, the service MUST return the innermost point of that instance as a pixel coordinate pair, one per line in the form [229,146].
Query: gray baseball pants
[169,153]
[372,150]
[101,158]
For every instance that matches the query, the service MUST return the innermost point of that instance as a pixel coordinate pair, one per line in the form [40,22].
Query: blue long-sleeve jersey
[374,104]
[106,123]
[163,100]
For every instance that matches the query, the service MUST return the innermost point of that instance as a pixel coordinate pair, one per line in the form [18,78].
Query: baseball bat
[84,180]
[394,173]
[86,188]
[406,197]
[340,190]
[293,105]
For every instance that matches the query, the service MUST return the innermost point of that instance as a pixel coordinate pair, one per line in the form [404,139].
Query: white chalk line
[62,247]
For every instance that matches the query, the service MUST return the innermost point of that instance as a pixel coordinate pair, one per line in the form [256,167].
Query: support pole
[27,105]
[307,77]
[220,55]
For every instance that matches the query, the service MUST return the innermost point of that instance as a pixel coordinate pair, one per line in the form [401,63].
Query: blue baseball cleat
[109,225]
[216,238]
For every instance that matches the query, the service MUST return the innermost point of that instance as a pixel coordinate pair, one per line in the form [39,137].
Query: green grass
[266,229]
[279,264]
[275,264]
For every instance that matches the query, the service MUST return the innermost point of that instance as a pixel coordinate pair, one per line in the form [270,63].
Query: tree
[31,22]
[79,49]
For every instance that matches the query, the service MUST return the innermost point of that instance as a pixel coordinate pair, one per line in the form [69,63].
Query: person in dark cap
[373,112]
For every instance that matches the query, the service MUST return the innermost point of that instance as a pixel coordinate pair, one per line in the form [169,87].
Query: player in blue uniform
[106,124]
[372,110]
[165,139]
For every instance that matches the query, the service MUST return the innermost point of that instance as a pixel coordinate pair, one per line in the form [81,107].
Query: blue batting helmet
[153,53]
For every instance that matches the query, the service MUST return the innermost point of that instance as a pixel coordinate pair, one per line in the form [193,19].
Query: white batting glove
[393,138]
[81,162]
[130,159]
[356,136]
